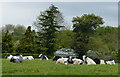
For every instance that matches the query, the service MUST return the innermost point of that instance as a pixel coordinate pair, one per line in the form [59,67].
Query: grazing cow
[16,59]
[88,60]
[43,57]
[77,61]
[110,62]
[9,56]
[97,61]
[55,58]
[28,58]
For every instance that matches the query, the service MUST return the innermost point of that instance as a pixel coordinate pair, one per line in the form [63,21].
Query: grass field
[37,67]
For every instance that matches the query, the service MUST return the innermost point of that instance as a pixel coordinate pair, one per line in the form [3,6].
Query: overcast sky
[25,13]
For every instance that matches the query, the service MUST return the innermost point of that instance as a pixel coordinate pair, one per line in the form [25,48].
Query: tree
[48,23]
[18,33]
[84,27]
[19,30]
[8,28]
[65,39]
[7,43]
[16,30]
[109,36]
[26,44]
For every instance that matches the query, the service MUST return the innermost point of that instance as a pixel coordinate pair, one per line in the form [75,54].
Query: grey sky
[25,13]
[59,0]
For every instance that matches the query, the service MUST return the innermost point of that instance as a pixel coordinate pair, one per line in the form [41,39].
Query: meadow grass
[37,67]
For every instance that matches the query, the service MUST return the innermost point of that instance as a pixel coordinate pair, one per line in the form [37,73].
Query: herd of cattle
[60,60]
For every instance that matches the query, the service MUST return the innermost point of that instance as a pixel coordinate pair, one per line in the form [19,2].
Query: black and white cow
[28,58]
[16,59]
[88,60]
[43,57]
[55,58]
[77,61]
[70,61]
[8,56]
[110,62]
[62,61]
[103,62]
[97,61]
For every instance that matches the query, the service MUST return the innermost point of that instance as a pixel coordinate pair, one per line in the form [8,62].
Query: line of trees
[51,35]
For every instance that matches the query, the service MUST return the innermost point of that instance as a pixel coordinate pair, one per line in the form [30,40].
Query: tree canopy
[26,44]
[84,27]
[48,23]
[7,43]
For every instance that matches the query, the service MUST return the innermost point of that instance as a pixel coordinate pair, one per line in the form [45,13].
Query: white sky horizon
[25,13]
[59,0]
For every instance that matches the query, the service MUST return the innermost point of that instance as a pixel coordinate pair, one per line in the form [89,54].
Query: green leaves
[86,23]
[48,23]
[65,39]
[84,27]
[7,43]
[27,44]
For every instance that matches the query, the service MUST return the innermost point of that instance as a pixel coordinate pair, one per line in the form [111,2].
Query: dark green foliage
[109,41]
[84,27]
[48,23]
[7,43]
[65,39]
[86,24]
[26,45]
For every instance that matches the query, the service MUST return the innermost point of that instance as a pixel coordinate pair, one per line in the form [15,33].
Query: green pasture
[37,67]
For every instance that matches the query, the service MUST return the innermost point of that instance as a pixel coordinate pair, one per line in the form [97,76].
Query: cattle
[77,61]
[16,59]
[110,62]
[102,62]
[28,58]
[88,60]
[62,61]
[65,59]
[25,57]
[9,56]
[43,57]
[70,61]
[96,60]
[55,58]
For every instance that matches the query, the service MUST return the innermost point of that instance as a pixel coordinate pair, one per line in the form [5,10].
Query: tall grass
[37,67]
